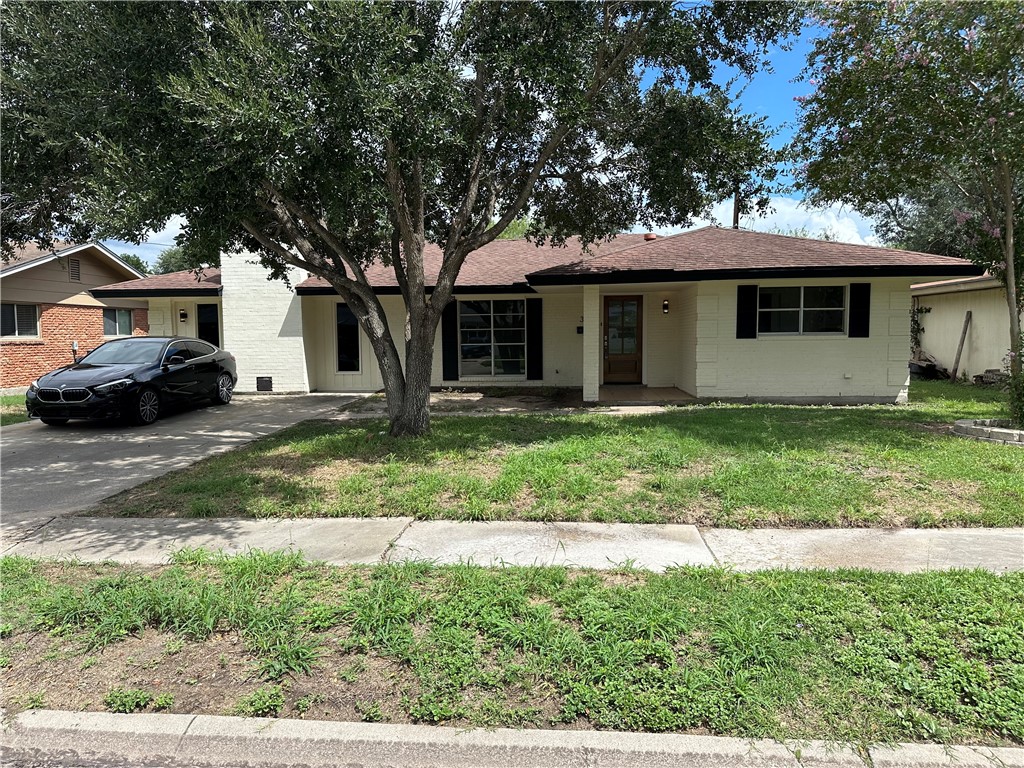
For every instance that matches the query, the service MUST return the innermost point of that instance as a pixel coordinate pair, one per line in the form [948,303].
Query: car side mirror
[175,360]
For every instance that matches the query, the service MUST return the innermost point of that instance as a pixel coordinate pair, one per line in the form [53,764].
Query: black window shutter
[534,340]
[746,311]
[860,310]
[450,341]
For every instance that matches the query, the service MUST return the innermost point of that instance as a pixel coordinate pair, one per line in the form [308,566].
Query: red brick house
[46,307]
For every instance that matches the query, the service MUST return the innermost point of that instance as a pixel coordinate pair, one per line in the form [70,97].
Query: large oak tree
[330,135]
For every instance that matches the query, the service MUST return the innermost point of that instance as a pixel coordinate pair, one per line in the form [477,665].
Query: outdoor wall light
[183,315]
[664,306]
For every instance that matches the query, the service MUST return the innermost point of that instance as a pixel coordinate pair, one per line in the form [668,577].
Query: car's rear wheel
[225,388]
[147,407]
[54,422]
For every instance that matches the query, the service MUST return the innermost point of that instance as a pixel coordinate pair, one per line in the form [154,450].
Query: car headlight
[113,386]
[33,386]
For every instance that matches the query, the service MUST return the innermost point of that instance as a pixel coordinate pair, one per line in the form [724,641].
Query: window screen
[117,322]
[807,310]
[20,320]
[492,338]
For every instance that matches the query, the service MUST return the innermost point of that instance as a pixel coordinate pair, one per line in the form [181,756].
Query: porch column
[591,343]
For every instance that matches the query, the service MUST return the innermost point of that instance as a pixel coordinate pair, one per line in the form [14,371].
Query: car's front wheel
[225,388]
[147,407]
[54,422]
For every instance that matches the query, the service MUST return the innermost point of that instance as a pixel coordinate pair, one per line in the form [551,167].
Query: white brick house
[715,314]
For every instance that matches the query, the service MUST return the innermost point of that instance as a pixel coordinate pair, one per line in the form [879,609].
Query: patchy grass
[853,656]
[12,410]
[722,465]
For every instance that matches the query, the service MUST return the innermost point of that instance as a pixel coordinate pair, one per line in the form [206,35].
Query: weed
[351,672]
[127,700]
[266,701]
[35,700]
[370,711]
[306,703]
[163,701]
[174,647]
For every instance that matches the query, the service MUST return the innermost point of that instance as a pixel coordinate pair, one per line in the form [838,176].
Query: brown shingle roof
[31,252]
[499,263]
[715,252]
[183,283]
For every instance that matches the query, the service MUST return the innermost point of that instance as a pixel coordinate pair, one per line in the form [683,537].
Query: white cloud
[154,244]
[789,214]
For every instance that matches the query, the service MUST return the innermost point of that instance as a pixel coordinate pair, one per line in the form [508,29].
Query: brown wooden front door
[623,339]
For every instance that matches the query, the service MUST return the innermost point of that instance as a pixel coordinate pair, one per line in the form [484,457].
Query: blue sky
[770,94]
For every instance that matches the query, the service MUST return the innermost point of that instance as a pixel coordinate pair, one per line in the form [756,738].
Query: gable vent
[75,270]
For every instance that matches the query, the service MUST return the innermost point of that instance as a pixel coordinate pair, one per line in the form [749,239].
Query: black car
[134,379]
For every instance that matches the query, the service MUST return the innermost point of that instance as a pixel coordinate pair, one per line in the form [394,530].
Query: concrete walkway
[589,545]
[100,739]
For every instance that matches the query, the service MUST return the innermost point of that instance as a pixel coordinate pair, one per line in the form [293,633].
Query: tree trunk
[1010,274]
[410,417]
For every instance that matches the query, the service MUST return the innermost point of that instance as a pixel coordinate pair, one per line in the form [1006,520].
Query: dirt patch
[485,400]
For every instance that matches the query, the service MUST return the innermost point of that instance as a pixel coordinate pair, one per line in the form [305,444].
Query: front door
[208,323]
[623,339]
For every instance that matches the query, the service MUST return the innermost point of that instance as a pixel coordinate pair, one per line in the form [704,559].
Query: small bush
[127,700]
[266,701]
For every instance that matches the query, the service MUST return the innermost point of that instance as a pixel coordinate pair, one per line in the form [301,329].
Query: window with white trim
[117,322]
[811,309]
[19,320]
[492,338]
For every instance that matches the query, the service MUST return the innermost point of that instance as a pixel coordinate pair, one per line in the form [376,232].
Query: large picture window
[492,338]
[20,320]
[802,310]
[117,322]
[348,340]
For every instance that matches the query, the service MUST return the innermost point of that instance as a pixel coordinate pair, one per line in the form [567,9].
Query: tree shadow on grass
[296,472]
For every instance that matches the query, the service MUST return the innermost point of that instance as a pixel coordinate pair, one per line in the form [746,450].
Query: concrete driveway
[49,472]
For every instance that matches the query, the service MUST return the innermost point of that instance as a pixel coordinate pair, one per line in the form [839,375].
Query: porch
[631,394]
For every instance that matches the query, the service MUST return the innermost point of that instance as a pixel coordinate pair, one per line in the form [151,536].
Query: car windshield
[126,352]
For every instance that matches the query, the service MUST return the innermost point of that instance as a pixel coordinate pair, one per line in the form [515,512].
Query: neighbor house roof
[714,253]
[184,283]
[981,283]
[499,264]
[32,255]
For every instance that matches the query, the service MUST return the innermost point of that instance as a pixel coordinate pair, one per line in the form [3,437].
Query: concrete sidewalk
[101,739]
[588,545]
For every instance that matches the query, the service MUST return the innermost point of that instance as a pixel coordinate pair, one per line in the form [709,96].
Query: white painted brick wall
[592,341]
[263,325]
[837,367]
[686,364]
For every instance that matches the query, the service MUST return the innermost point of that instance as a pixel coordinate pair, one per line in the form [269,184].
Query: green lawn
[853,656]
[727,465]
[12,409]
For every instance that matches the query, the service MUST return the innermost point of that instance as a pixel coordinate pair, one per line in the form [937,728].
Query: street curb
[207,741]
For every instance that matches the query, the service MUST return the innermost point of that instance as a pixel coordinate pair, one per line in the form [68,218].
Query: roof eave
[673,276]
[392,290]
[153,293]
